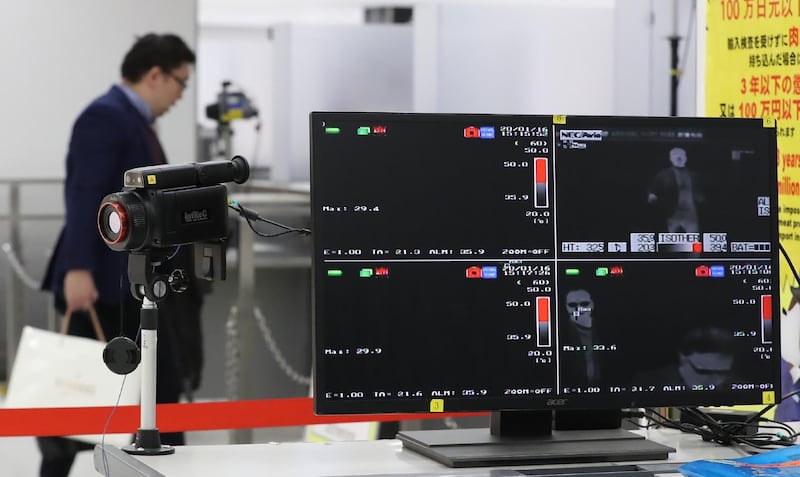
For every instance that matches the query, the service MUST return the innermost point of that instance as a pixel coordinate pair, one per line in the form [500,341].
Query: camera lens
[121,221]
[112,221]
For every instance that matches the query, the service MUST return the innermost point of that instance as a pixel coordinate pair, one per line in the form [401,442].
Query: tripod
[150,289]
[148,438]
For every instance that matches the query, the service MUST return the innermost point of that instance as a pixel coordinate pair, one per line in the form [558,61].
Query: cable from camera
[232,371]
[251,216]
[730,433]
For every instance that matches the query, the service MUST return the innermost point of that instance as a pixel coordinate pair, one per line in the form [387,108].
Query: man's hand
[79,290]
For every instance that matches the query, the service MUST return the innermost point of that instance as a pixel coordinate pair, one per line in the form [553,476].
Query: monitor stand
[536,437]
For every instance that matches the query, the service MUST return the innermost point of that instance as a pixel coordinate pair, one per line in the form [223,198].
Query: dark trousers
[58,453]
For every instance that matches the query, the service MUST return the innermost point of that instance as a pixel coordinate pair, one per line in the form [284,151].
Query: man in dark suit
[113,134]
[677,193]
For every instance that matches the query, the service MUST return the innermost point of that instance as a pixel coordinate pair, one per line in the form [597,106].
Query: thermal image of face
[580,306]
[677,157]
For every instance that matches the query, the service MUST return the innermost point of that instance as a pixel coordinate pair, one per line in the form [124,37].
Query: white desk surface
[300,459]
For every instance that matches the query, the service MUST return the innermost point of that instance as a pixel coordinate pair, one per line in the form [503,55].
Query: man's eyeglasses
[582,304]
[180,81]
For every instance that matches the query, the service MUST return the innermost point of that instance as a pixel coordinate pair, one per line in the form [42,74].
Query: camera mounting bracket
[141,273]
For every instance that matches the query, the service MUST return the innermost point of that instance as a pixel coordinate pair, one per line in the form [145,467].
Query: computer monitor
[529,264]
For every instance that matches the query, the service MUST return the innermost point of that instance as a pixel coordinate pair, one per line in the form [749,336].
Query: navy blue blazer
[109,137]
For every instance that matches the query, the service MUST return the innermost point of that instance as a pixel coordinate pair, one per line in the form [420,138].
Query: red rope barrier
[184,417]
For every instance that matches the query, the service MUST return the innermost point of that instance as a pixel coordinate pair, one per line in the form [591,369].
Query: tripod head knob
[178,281]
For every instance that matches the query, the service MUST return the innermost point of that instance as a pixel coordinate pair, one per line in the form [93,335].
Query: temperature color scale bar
[540,182]
[766,318]
[543,321]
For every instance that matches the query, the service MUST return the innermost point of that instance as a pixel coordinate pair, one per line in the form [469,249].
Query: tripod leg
[148,439]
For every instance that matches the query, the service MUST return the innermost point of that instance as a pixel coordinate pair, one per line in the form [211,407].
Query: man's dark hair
[166,51]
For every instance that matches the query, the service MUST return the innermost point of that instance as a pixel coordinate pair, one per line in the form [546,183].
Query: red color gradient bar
[766,318]
[542,321]
[766,307]
[540,198]
[185,417]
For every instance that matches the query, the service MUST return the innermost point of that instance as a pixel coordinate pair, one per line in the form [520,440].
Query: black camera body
[166,206]
[164,217]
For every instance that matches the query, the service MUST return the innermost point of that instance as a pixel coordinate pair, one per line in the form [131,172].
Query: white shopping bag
[58,370]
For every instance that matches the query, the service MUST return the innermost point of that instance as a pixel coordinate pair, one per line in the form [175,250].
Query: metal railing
[16,282]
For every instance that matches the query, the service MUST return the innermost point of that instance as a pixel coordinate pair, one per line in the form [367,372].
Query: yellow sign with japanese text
[753,71]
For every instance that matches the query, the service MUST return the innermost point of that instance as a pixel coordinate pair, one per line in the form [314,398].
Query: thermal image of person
[676,192]
[579,363]
[704,359]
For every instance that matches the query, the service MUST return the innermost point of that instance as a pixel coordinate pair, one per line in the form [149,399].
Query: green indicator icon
[332,130]
[365,273]
[601,271]
[573,271]
[334,273]
[363,131]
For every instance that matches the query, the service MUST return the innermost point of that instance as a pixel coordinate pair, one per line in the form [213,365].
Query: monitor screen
[511,262]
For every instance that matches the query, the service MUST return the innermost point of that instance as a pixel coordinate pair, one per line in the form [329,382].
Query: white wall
[263,13]
[633,38]
[333,68]
[541,57]
[57,56]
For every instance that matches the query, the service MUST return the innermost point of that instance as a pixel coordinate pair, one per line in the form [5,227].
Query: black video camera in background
[231,105]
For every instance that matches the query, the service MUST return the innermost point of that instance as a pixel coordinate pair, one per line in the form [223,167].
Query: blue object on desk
[776,463]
